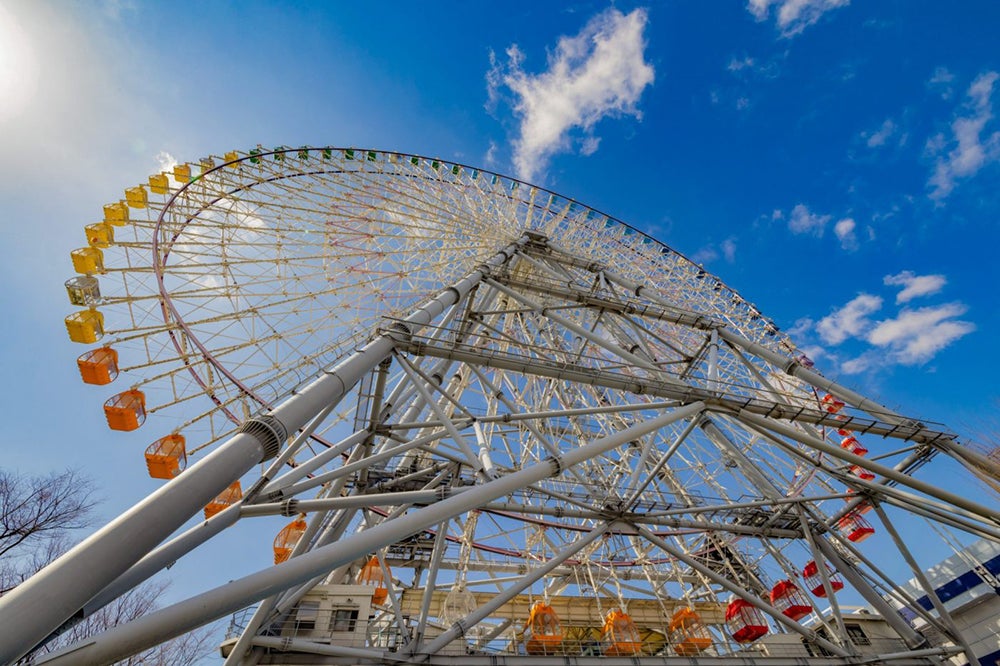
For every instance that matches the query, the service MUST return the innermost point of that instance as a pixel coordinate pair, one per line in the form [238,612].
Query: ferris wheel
[530,429]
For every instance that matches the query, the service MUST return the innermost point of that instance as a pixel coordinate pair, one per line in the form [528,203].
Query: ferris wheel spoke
[230,294]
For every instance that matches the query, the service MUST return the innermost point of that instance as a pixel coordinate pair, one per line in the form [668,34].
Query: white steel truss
[512,399]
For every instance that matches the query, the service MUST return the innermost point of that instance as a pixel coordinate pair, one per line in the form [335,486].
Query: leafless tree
[37,518]
[36,513]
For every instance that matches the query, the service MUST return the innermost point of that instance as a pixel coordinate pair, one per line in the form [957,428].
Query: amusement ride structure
[502,427]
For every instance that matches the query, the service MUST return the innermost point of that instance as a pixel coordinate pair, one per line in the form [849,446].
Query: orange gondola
[126,411]
[225,499]
[287,539]
[98,366]
[620,634]
[166,457]
[687,633]
[371,574]
[542,632]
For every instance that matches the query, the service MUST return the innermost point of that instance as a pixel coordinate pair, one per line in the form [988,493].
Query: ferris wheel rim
[171,313]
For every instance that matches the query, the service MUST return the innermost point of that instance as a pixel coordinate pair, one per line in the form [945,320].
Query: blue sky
[836,163]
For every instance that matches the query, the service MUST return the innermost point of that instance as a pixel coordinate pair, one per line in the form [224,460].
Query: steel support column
[175,620]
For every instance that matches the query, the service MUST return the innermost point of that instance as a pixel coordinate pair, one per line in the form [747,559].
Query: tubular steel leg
[34,609]
[162,625]
[37,607]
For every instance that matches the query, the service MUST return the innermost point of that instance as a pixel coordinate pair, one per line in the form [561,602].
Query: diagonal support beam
[41,604]
[162,625]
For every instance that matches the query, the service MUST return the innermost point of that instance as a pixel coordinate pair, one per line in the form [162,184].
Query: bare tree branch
[38,508]
[37,518]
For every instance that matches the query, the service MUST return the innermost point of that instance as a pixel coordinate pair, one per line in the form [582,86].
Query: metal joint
[269,431]
[290,508]
[399,332]
[557,465]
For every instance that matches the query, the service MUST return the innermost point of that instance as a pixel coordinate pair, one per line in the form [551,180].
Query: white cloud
[801,327]
[599,72]
[705,255]
[915,285]
[915,336]
[850,320]
[802,221]
[971,151]
[853,366]
[881,135]
[490,159]
[711,252]
[941,80]
[793,16]
[166,161]
[590,145]
[737,64]
[845,233]
[728,248]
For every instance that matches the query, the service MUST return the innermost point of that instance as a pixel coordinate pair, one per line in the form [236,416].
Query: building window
[344,619]
[306,615]
[815,649]
[857,634]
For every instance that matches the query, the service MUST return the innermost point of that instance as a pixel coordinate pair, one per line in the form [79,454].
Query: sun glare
[17,66]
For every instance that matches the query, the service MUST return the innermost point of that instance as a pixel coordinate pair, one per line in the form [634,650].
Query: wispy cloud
[853,366]
[849,321]
[793,16]
[728,248]
[844,229]
[739,64]
[941,81]
[881,136]
[803,221]
[915,285]
[969,150]
[915,336]
[599,72]
[711,252]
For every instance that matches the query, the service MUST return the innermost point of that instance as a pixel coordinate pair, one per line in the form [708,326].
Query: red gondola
[787,598]
[746,622]
[854,527]
[814,581]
